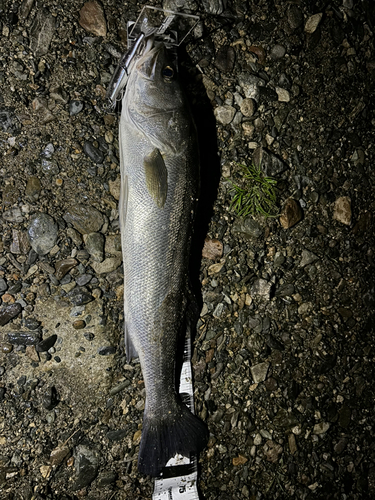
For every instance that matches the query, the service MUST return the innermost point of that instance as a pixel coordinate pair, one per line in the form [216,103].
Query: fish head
[154,101]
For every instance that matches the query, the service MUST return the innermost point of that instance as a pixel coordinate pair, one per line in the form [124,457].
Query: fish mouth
[146,65]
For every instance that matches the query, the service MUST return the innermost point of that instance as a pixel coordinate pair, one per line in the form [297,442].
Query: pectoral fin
[156,177]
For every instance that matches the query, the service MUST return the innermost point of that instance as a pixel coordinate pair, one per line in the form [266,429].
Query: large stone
[41,32]
[85,218]
[91,18]
[86,462]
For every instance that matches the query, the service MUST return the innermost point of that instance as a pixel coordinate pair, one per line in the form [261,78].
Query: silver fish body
[159,186]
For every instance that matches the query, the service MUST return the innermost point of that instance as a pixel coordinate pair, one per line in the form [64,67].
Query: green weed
[256,193]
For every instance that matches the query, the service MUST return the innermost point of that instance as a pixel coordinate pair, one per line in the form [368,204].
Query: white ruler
[179,476]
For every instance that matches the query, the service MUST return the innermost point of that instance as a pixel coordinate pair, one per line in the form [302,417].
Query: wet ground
[284,351]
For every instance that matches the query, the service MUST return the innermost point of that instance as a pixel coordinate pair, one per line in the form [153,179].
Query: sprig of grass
[256,194]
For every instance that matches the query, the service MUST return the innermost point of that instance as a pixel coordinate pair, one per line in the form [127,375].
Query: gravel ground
[284,350]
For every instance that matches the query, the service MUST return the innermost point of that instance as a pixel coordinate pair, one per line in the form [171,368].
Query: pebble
[106,478]
[3,285]
[2,370]
[115,187]
[117,435]
[46,344]
[248,227]
[272,450]
[247,107]
[58,454]
[41,32]
[271,164]
[282,94]
[9,312]
[277,52]
[80,296]
[91,18]
[50,399]
[107,266]
[84,279]
[313,22]
[42,233]
[321,427]
[295,17]
[225,59]
[307,258]
[79,324]
[64,266]
[24,337]
[343,210]
[85,218]
[40,106]
[33,188]
[6,347]
[95,245]
[292,443]
[291,214]
[93,153]
[224,114]
[106,350]
[261,288]
[75,107]
[240,460]
[13,215]
[259,372]
[212,249]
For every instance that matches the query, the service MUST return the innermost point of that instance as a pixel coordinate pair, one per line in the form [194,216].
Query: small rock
[24,338]
[282,94]
[295,16]
[106,478]
[343,210]
[271,164]
[50,399]
[40,106]
[86,462]
[216,268]
[64,266]
[212,249]
[248,227]
[79,324]
[106,350]
[3,285]
[313,22]
[91,18]
[95,245]
[13,215]
[291,214]
[45,470]
[93,153]
[85,218]
[240,460]
[247,107]
[46,344]
[20,243]
[6,347]
[32,354]
[107,266]
[80,296]
[9,312]
[75,107]
[42,233]
[31,323]
[33,188]
[224,114]
[272,450]
[225,59]
[117,435]
[261,288]
[8,121]
[307,258]
[41,32]
[58,454]
[292,443]
[259,372]
[321,428]
[277,52]
[114,188]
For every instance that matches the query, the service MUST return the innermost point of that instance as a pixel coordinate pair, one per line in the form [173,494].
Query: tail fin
[162,437]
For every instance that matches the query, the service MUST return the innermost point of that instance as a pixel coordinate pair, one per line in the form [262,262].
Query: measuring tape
[179,476]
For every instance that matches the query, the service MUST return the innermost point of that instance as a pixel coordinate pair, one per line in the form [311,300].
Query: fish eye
[168,73]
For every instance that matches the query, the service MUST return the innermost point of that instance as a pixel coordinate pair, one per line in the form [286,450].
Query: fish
[159,163]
